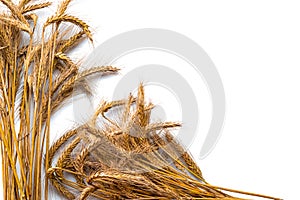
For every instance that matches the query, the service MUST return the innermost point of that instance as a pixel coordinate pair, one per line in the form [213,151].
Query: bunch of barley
[125,157]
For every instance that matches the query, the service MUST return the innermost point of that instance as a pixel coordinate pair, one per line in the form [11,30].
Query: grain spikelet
[16,23]
[33,7]
[74,20]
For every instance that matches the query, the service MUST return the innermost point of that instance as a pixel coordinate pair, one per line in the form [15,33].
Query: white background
[255,46]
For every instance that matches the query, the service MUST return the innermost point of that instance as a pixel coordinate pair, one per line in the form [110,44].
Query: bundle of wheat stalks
[121,157]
